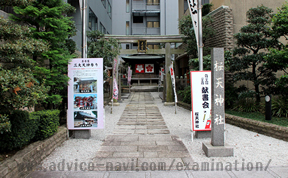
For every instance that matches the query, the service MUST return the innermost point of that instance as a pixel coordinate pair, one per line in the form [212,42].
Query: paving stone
[150,154]
[173,154]
[159,137]
[128,155]
[139,143]
[170,143]
[140,132]
[177,148]
[118,148]
[154,131]
[104,154]
[153,148]
[153,164]
[111,143]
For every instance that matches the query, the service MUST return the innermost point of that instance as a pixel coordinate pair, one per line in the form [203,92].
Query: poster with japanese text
[201,100]
[85,94]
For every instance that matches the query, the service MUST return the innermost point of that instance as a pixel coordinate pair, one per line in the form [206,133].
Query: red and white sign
[139,68]
[149,68]
[201,100]
[162,73]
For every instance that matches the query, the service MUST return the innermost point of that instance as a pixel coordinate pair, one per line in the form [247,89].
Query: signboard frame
[85,101]
[197,97]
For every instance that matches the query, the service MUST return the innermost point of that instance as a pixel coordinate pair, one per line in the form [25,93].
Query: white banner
[201,100]
[192,4]
[162,74]
[173,80]
[129,75]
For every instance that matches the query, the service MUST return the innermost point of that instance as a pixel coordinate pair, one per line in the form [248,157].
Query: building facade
[98,15]
[144,17]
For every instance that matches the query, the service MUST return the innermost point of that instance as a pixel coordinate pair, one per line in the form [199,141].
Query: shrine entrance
[146,62]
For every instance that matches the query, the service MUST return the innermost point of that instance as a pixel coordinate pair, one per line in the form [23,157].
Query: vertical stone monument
[217,146]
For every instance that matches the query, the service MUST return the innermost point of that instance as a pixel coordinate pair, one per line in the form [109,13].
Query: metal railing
[145,31]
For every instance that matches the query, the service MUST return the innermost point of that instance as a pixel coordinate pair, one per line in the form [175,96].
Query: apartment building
[98,15]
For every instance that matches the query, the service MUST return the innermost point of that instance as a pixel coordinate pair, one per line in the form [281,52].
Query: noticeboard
[201,100]
[85,94]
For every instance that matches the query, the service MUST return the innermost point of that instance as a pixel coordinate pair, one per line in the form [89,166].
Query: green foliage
[5,125]
[206,63]
[282,121]
[185,94]
[18,86]
[49,122]
[99,47]
[277,58]
[186,28]
[280,107]
[252,41]
[48,21]
[23,128]
[19,89]
[15,2]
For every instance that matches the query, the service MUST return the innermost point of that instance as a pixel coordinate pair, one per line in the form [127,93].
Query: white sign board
[201,100]
[85,94]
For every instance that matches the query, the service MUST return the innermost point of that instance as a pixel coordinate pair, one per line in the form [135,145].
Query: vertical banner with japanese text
[115,74]
[85,94]
[201,100]
[173,80]
[192,4]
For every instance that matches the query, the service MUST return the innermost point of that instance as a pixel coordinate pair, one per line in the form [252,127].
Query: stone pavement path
[141,141]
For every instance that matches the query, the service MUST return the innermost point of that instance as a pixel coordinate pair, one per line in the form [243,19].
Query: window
[92,21]
[102,28]
[127,46]
[109,9]
[127,28]
[127,6]
[153,24]
[205,2]
[104,3]
[153,2]
[138,19]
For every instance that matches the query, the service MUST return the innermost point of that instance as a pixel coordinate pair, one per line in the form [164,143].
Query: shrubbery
[23,129]
[26,127]
[49,122]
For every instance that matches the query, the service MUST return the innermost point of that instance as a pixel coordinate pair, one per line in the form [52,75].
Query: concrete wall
[169,17]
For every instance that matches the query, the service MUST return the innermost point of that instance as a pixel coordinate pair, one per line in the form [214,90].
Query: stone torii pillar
[168,84]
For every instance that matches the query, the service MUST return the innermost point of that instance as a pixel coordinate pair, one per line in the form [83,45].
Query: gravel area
[84,150]
[248,146]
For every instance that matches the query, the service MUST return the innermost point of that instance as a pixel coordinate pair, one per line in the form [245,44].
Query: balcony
[144,9]
[145,31]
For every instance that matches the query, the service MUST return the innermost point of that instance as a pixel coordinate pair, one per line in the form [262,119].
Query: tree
[48,21]
[253,42]
[277,59]
[18,86]
[99,47]
[186,28]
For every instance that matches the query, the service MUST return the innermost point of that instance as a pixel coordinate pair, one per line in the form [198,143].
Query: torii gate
[168,51]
